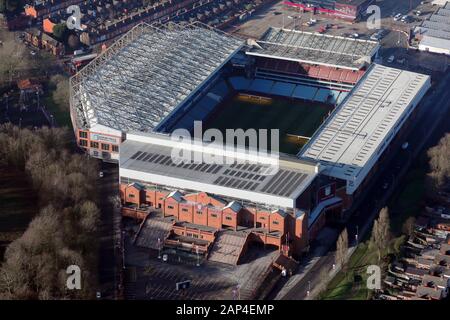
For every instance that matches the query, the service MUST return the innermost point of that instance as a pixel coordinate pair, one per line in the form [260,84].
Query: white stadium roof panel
[148,73]
[263,179]
[350,141]
[315,48]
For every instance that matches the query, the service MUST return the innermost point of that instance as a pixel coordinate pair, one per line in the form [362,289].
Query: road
[435,105]
[109,231]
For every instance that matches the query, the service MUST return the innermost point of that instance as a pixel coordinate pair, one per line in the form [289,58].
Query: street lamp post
[357,234]
[123,249]
[159,248]
[198,256]
[309,289]
[37,95]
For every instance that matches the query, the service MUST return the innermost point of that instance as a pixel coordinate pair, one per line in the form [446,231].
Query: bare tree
[381,234]
[408,226]
[342,249]
[12,60]
[64,231]
[61,93]
[439,163]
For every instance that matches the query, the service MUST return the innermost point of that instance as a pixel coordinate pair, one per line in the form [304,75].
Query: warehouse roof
[315,48]
[351,140]
[148,73]
[265,179]
[435,42]
[435,28]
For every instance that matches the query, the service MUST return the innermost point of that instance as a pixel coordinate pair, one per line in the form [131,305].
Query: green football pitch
[292,118]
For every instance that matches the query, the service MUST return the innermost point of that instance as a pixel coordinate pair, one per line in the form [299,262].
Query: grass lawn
[404,203]
[343,286]
[17,206]
[62,118]
[407,201]
[289,116]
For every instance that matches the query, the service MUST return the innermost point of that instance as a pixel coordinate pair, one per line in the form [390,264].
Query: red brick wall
[246,217]
[229,218]
[201,219]
[171,208]
[186,212]
[262,217]
[215,222]
[150,197]
[277,223]
[133,195]
[160,197]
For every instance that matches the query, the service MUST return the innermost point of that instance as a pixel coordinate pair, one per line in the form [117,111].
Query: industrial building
[434,33]
[127,102]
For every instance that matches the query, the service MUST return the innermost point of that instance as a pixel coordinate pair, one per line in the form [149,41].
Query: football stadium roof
[147,74]
[315,48]
[264,179]
[351,140]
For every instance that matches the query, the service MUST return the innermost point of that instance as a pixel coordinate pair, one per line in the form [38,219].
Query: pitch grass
[290,116]
[17,206]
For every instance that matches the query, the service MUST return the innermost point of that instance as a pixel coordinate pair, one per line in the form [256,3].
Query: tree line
[382,240]
[439,175]
[63,232]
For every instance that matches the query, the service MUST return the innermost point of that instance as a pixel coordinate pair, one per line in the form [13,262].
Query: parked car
[405,19]
[397,17]
[405,145]
[391,59]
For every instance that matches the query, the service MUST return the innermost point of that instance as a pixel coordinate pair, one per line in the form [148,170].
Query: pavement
[110,234]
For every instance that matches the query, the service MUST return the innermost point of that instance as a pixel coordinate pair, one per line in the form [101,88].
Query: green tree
[60,31]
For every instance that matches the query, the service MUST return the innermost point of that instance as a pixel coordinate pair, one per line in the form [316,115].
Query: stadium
[336,111]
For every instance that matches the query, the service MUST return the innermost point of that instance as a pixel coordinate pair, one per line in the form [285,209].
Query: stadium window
[184,210]
[94,144]
[105,146]
[115,148]
[170,207]
[83,143]
[199,212]
[83,134]
[228,218]
[131,195]
[262,218]
[213,215]
[195,236]
[275,222]
[189,234]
